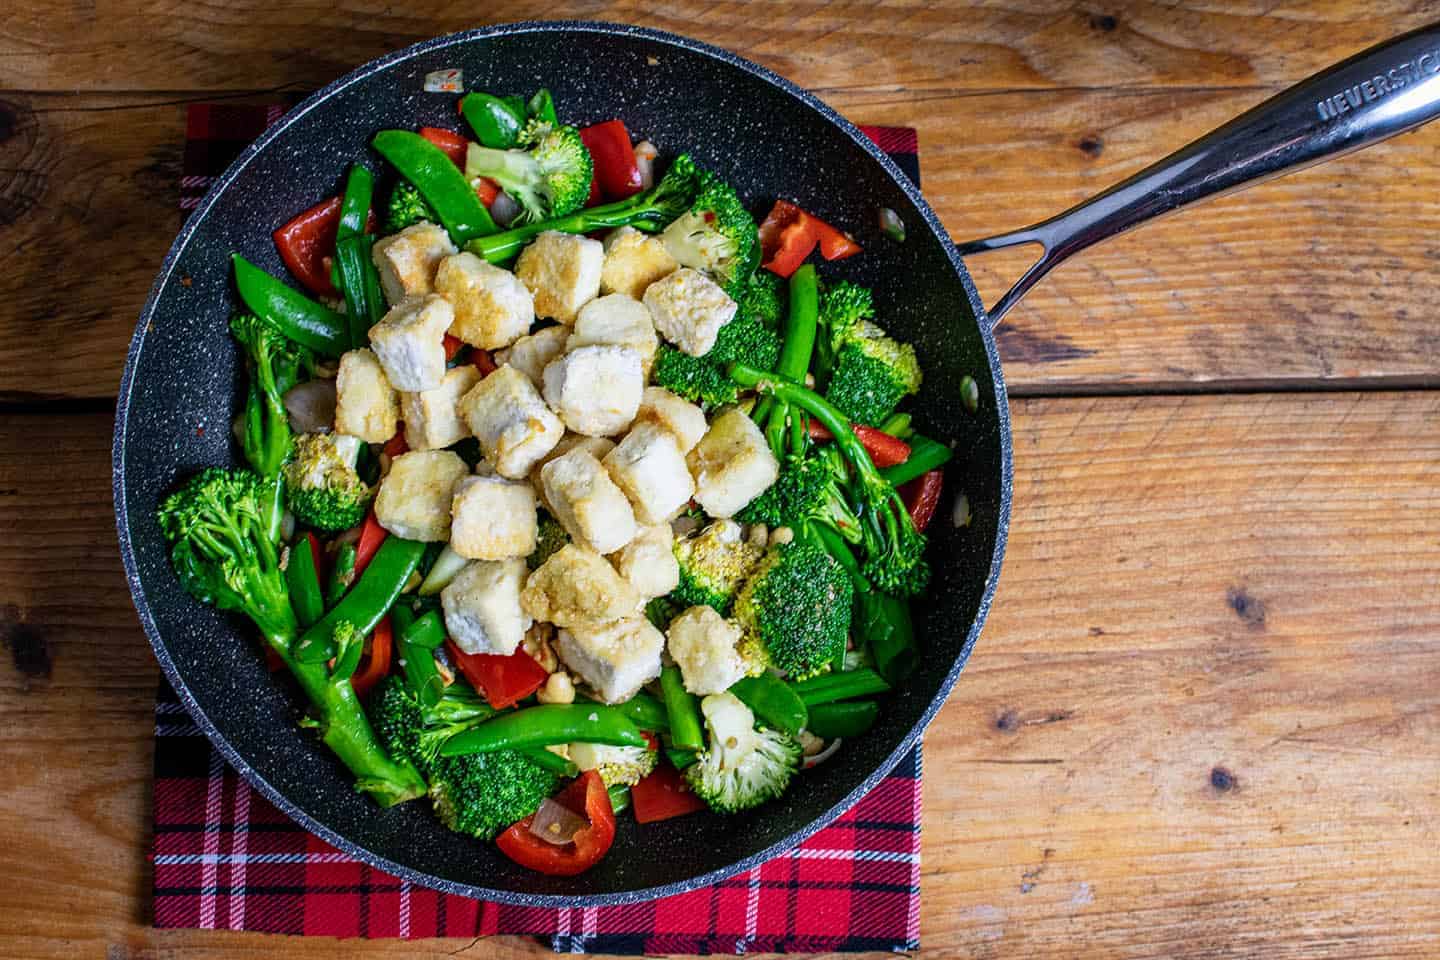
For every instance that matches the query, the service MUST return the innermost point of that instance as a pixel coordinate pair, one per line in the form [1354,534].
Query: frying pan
[182,383]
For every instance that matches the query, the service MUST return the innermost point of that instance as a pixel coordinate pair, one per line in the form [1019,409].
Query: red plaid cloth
[225,858]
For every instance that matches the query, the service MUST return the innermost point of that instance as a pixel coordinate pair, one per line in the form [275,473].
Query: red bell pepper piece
[396,445]
[504,681]
[662,795]
[834,244]
[587,797]
[483,361]
[371,536]
[453,345]
[594,199]
[487,190]
[449,141]
[884,450]
[922,496]
[307,241]
[377,661]
[787,236]
[616,172]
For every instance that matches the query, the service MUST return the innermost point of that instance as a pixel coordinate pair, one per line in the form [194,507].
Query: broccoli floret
[414,731]
[549,538]
[660,611]
[797,604]
[697,379]
[480,794]
[717,235]
[275,365]
[762,300]
[872,374]
[745,340]
[625,766]
[406,208]
[550,178]
[741,767]
[843,306]
[323,488]
[807,491]
[224,555]
[713,564]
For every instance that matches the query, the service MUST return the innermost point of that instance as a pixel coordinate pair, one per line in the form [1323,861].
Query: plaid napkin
[225,858]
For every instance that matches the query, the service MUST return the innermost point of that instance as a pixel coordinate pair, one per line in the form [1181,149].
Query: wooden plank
[1201,722]
[888,46]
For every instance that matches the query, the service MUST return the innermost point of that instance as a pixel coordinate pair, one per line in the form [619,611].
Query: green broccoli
[872,374]
[716,235]
[762,300]
[414,731]
[696,379]
[480,794]
[225,556]
[406,208]
[275,365]
[741,767]
[806,492]
[797,606]
[661,610]
[842,306]
[550,537]
[625,766]
[713,565]
[747,341]
[323,488]
[549,179]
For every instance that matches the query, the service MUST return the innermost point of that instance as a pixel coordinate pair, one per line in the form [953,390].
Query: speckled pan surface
[182,384]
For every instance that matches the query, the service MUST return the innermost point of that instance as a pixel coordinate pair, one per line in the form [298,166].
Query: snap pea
[884,623]
[647,712]
[355,203]
[495,120]
[679,759]
[830,687]
[439,181]
[360,283]
[545,725]
[619,798]
[773,701]
[308,323]
[418,662]
[347,657]
[370,599]
[304,584]
[925,455]
[831,720]
[552,761]
[341,575]
[682,711]
[542,107]
[426,632]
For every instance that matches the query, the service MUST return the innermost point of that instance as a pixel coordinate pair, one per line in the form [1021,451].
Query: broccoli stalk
[275,365]
[617,766]
[549,179]
[741,767]
[323,488]
[224,555]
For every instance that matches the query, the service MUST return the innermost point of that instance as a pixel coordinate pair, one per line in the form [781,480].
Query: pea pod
[370,599]
[831,720]
[830,687]
[439,181]
[647,712]
[355,203]
[308,323]
[426,632]
[682,710]
[542,107]
[495,120]
[884,623]
[552,762]
[421,676]
[341,575]
[772,701]
[304,584]
[547,724]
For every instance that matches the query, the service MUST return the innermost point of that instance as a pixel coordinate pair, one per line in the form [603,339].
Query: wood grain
[1201,722]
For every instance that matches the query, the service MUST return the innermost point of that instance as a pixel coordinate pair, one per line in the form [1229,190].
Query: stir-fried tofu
[684,420]
[562,271]
[493,308]
[597,447]
[432,417]
[586,501]
[732,465]
[410,342]
[511,421]
[648,561]
[633,261]
[482,607]
[414,497]
[704,645]
[615,659]
[408,260]
[616,320]
[688,308]
[576,587]
[650,468]
[596,390]
[530,354]
[366,406]
[493,518]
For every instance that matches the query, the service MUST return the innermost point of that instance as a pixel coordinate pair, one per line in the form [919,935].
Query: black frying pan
[182,383]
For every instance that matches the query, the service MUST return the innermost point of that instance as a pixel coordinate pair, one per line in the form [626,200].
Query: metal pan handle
[1390,88]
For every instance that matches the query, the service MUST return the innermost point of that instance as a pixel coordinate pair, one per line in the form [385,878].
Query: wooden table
[1203,718]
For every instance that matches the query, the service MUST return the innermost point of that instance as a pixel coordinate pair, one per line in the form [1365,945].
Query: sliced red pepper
[453,345]
[396,445]
[487,190]
[371,536]
[483,361]
[587,797]
[305,243]
[662,795]
[451,142]
[377,661]
[273,663]
[504,681]
[616,172]
[786,238]
[922,496]
[884,450]
[834,244]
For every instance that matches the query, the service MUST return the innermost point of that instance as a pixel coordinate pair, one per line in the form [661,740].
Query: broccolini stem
[925,455]
[684,714]
[797,346]
[830,687]
[634,211]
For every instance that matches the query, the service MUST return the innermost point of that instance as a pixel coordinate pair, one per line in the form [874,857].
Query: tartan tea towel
[225,858]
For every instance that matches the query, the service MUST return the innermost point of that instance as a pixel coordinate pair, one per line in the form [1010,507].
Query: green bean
[439,181]
[304,584]
[831,720]
[798,344]
[360,283]
[647,712]
[426,632]
[925,455]
[547,724]
[552,761]
[884,624]
[830,687]
[355,203]
[341,575]
[682,710]
[371,598]
[772,701]
[308,323]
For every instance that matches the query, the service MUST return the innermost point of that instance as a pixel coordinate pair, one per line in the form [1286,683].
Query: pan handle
[1388,89]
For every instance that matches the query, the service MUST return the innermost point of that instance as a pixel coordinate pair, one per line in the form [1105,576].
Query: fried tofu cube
[410,342]
[704,645]
[685,421]
[597,447]
[493,308]
[732,465]
[576,587]
[650,468]
[493,518]
[688,308]
[648,561]
[614,659]
[530,354]
[619,321]
[562,271]
[588,504]
[432,417]
[511,421]
[595,390]
[408,260]
[366,405]
[633,261]
[482,607]
[414,498]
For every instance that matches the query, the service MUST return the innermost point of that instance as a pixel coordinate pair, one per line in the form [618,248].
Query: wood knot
[1008,722]
[1247,608]
[1091,145]
[1223,780]
[1103,22]
[23,169]
[28,646]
